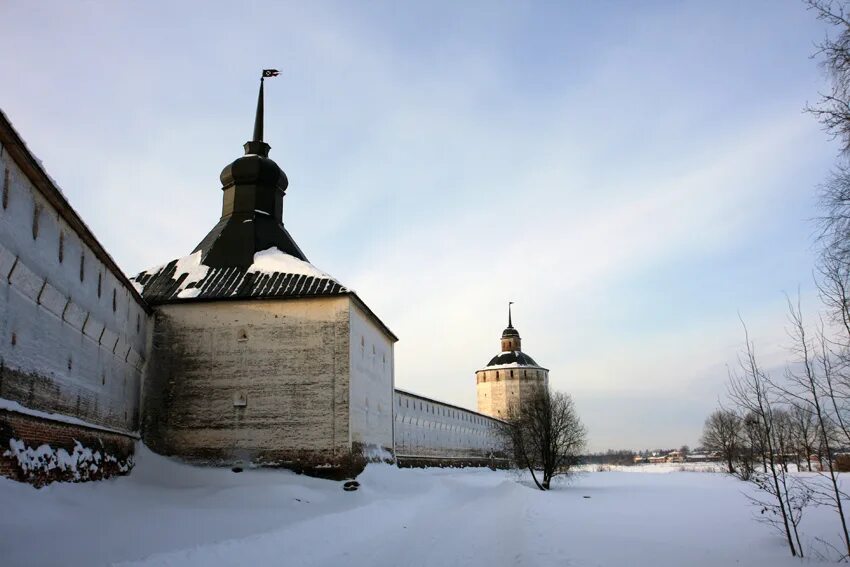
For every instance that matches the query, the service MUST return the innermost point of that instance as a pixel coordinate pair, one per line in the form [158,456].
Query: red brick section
[35,431]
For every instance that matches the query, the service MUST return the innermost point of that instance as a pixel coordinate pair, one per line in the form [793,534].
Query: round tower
[510,377]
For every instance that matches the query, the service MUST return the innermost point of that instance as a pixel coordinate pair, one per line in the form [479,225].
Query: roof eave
[362,305]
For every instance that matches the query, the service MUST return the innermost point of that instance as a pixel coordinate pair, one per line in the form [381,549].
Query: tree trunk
[534,476]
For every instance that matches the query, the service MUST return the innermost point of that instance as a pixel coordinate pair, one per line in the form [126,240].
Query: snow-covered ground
[167,513]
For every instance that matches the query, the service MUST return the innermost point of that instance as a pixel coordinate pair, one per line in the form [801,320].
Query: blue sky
[631,174]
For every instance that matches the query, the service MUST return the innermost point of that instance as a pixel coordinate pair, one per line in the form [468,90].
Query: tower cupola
[252,209]
[511,340]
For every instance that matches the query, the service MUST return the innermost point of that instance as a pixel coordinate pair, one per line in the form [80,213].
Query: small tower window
[82,266]
[36,212]
[242,336]
[99,282]
[61,246]
[114,300]
[6,188]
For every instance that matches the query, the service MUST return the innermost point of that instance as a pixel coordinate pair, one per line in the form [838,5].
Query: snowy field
[172,514]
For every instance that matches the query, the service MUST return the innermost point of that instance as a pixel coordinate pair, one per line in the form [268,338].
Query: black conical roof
[511,357]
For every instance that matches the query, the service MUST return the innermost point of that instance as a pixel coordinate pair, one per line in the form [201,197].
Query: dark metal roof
[162,286]
[510,332]
[511,357]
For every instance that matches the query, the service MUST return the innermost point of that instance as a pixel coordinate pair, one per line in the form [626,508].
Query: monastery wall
[73,332]
[251,380]
[372,380]
[432,432]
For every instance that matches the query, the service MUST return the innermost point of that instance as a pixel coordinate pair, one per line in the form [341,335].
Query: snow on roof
[273,274]
[273,260]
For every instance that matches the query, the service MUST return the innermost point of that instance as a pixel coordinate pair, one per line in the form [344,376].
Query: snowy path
[168,514]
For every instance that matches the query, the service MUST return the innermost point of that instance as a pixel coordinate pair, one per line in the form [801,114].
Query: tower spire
[252,206]
[510,325]
[257,145]
[258,119]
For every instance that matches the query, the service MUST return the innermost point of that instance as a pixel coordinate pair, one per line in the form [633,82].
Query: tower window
[61,246]
[36,211]
[82,266]
[6,188]
[114,300]
[99,282]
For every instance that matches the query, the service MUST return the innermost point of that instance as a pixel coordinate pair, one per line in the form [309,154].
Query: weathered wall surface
[371,397]
[427,429]
[499,388]
[73,336]
[258,380]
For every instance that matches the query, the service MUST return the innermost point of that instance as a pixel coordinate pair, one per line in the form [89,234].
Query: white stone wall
[426,428]
[73,338]
[252,380]
[500,388]
[371,382]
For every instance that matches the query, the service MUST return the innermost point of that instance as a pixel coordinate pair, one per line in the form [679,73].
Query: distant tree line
[610,457]
[623,457]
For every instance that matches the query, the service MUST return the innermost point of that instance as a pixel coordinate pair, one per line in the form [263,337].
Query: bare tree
[722,433]
[545,434]
[751,390]
[793,494]
[834,354]
[805,389]
[833,108]
[805,434]
[751,450]
[783,434]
